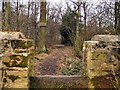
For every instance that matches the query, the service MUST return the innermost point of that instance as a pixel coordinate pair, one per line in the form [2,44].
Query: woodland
[64,23]
[59,30]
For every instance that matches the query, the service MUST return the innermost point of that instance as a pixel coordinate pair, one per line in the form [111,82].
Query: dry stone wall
[16,52]
[0,73]
[102,56]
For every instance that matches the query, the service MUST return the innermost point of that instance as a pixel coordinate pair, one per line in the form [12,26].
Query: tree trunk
[28,32]
[115,10]
[42,31]
[17,12]
[117,17]
[3,16]
[100,24]
[77,38]
[7,22]
[85,15]
[35,25]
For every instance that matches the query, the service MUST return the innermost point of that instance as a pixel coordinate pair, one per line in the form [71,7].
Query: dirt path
[50,64]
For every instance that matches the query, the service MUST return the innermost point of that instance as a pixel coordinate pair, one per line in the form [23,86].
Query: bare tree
[85,7]
[54,18]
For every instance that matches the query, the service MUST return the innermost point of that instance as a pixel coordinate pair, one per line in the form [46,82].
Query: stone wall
[102,56]
[63,82]
[0,73]
[106,38]
[15,60]
[0,20]
[1,54]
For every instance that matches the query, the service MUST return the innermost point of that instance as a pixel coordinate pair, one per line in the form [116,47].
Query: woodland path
[49,64]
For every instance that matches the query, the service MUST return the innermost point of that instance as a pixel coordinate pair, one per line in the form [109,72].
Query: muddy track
[50,64]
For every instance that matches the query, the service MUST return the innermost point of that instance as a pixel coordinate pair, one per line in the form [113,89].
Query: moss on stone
[24,44]
[99,55]
[31,68]
[24,62]
[29,43]
[43,50]
[12,57]
[20,51]
[6,64]
[23,59]
[13,78]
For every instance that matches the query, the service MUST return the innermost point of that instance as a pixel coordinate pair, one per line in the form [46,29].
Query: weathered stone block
[21,72]
[6,59]
[11,35]
[99,55]
[16,77]
[0,73]
[18,83]
[100,61]
[101,58]
[15,61]
[51,81]
[106,38]
[22,43]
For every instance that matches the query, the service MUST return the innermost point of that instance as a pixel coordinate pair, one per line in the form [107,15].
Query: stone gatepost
[16,64]
[87,51]
[1,55]
[101,57]
[0,73]
[15,61]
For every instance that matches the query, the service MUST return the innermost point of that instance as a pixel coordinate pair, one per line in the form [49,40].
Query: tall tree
[85,18]
[17,13]
[3,15]
[68,28]
[77,37]
[42,31]
[28,15]
[7,20]
[117,16]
